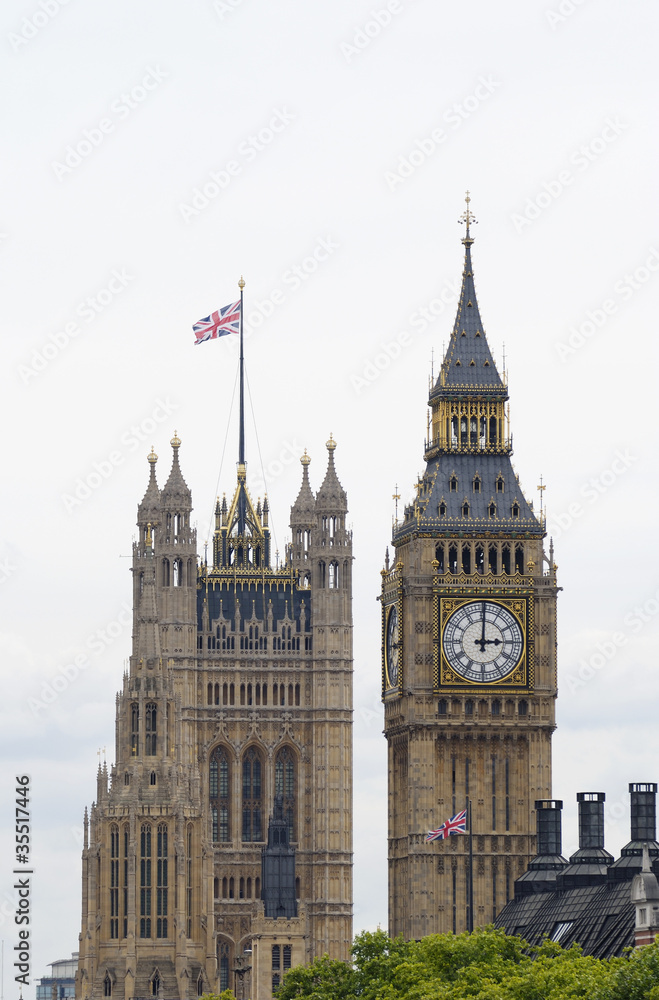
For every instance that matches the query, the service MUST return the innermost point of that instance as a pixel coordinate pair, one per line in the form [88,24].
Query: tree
[485,965]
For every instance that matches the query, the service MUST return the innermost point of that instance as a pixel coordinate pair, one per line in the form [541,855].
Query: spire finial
[467,217]
[241,283]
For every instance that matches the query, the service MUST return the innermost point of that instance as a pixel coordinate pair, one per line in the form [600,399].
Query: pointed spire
[151,500]
[468,362]
[305,503]
[176,487]
[331,492]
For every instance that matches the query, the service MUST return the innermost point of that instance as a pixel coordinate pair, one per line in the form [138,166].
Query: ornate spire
[151,499]
[305,503]
[468,362]
[331,492]
[176,488]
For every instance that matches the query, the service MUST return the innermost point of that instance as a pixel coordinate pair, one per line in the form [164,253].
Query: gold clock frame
[389,689]
[445,678]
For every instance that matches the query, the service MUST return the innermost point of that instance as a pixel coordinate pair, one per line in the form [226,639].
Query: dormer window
[442,509]
[472,363]
[464,333]
[458,363]
[492,509]
[515,510]
[465,509]
[453,484]
[477,484]
[499,484]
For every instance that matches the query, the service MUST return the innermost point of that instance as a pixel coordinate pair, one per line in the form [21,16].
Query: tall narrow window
[286,957]
[125,880]
[161,883]
[107,985]
[114,881]
[134,729]
[219,794]
[224,965]
[252,805]
[145,881]
[188,886]
[285,786]
[150,727]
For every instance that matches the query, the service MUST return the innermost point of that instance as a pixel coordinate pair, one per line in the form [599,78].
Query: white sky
[557,109]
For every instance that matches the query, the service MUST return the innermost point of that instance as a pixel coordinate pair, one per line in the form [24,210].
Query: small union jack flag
[218,324]
[456,824]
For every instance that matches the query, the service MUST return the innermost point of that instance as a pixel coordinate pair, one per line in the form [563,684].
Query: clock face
[392,647]
[483,641]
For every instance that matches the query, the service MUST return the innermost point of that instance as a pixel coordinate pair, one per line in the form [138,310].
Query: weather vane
[396,497]
[467,216]
[542,489]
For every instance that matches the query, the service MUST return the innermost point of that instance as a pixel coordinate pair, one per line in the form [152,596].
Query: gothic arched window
[114,882]
[285,785]
[162,882]
[223,949]
[145,881]
[150,729]
[252,796]
[219,794]
[107,985]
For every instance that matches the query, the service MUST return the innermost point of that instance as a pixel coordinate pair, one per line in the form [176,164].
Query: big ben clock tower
[468,652]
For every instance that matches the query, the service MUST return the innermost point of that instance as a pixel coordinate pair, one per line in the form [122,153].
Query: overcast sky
[153,152]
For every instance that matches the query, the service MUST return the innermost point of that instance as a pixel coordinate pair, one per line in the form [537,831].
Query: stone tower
[236,707]
[468,652]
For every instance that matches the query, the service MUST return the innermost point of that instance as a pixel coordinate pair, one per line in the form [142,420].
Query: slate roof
[468,364]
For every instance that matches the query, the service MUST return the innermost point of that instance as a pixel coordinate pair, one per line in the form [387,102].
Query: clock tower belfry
[468,652]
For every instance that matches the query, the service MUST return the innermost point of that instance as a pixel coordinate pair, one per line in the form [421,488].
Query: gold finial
[152,458]
[176,441]
[305,458]
[396,497]
[148,535]
[241,283]
[331,444]
[467,217]
[542,489]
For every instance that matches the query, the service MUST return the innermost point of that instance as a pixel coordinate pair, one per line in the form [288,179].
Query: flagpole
[241,438]
[470,921]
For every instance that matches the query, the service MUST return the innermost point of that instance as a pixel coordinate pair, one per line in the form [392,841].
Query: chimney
[541,874]
[643,796]
[588,865]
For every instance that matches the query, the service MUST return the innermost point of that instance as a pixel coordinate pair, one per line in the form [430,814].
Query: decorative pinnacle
[467,217]
[152,458]
[241,283]
[176,441]
[305,458]
[331,444]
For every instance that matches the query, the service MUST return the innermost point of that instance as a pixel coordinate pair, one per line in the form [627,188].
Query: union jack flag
[456,824]
[218,324]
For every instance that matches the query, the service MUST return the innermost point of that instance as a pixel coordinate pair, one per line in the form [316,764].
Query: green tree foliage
[485,965]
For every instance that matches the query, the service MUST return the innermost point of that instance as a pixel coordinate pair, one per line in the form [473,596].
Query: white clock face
[483,642]
[392,646]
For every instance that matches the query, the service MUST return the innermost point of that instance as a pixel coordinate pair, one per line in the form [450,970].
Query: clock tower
[468,652]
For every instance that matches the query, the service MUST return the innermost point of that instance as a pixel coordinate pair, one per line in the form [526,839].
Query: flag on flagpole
[218,324]
[456,824]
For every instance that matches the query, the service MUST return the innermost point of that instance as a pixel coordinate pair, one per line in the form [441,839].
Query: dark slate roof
[599,915]
[435,489]
[468,365]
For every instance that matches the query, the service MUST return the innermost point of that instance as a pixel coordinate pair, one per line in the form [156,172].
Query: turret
[303,526]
